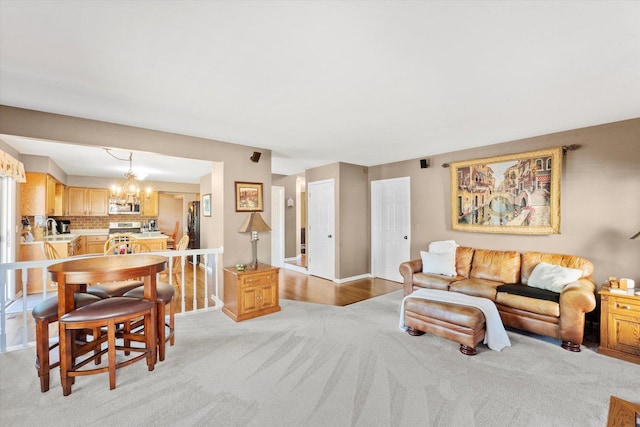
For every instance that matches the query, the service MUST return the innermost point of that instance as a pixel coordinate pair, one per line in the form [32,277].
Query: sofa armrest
[579,295]
[576,299]
[407,269]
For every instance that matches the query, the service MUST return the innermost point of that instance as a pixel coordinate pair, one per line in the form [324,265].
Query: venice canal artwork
[510,193]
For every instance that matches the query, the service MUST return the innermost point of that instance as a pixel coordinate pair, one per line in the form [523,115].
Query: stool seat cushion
[107,309]
[113,289]
[164,291]
[48,309]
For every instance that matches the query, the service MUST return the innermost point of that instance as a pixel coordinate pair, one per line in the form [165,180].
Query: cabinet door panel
[624,334]
[77,201]
[50,203]
[268,296]
[249,300]
[34,194]
[98,202]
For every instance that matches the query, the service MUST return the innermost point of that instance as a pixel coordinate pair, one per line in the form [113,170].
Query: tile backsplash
[90,222]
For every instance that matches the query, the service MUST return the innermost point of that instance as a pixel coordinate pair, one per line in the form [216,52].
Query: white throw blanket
[495,336]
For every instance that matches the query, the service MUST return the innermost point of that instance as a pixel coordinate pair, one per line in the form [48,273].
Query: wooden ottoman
[459,323]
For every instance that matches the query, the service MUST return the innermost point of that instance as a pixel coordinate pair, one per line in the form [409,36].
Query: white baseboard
[296,268]
[351,279]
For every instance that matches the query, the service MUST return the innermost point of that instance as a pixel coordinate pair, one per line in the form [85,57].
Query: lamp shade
[254,222]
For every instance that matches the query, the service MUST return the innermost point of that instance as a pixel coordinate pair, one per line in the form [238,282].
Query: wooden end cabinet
[250,293]
[620,325]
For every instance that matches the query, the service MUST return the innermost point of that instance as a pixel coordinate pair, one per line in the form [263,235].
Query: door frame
[277,226]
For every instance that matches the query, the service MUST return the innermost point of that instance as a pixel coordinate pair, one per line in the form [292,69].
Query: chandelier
[126,191]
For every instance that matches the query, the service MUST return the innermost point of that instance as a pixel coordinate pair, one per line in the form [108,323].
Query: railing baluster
[3,311]
[6,280]
[206,277]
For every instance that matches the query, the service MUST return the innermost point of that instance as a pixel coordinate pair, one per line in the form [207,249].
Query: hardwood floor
[302,287]
[299,287]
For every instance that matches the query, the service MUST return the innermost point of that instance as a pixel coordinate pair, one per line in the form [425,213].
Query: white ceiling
[364,82]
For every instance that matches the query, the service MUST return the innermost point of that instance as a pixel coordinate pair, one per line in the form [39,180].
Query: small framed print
[249,197]
[206,205]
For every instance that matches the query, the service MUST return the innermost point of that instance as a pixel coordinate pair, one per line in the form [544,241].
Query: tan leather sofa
[502,277]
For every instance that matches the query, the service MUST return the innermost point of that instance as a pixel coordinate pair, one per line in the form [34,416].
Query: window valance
[11,167]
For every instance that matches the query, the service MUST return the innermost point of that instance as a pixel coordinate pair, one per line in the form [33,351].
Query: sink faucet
[54,226]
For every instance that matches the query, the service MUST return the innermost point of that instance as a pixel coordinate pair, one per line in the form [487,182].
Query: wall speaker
[424,163]
[255,157]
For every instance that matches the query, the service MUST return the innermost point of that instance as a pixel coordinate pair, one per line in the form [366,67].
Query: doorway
[321,229]
[390,227]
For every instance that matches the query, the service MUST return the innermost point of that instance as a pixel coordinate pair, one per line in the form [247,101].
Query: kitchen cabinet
[35,252]
[88,201]
[150,204]
[159,244]
[60,208]
[94,244]
[38,194]
[79,246]
[250,293]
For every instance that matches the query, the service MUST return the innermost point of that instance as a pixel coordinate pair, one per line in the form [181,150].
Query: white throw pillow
[443,263]
[553,277]
[443,246]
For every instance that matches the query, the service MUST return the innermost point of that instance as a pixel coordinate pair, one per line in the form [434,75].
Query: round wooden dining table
[74,275]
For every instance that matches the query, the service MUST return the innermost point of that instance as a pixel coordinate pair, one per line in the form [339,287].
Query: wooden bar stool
[45,313]
[129,245]
[109,313]
[165,296]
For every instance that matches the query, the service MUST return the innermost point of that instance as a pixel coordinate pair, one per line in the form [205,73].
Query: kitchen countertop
[70,237]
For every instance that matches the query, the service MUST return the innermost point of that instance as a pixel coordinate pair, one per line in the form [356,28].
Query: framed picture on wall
[249,197]
[206,205]
[513,194]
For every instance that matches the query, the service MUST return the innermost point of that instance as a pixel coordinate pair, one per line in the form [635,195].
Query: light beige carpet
[319,365]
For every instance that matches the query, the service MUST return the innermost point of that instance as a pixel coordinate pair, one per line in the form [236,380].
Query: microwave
[125,208]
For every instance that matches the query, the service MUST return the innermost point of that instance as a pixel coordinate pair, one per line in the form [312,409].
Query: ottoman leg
[469,351]
[414,332]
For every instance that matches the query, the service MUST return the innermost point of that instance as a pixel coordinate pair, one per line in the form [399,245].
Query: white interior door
[321,248]
[277,226]
[390,227]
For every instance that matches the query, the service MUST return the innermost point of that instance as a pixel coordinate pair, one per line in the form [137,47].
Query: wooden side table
[620,325]
[250,293]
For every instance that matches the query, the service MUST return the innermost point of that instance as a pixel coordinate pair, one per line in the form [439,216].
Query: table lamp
[254,223]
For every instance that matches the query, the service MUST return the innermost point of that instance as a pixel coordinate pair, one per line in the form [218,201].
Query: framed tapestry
[514,194]
[249,197]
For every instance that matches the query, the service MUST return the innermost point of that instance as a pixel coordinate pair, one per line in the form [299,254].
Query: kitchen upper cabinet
[61,200]
[38,194]
[150,204]
[88,201]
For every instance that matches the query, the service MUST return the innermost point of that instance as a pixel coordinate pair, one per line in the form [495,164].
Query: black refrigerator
[193,227]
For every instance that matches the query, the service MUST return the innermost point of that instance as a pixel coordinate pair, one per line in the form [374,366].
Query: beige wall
[351,218]
[600,198]
[355,212]
[237,165]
